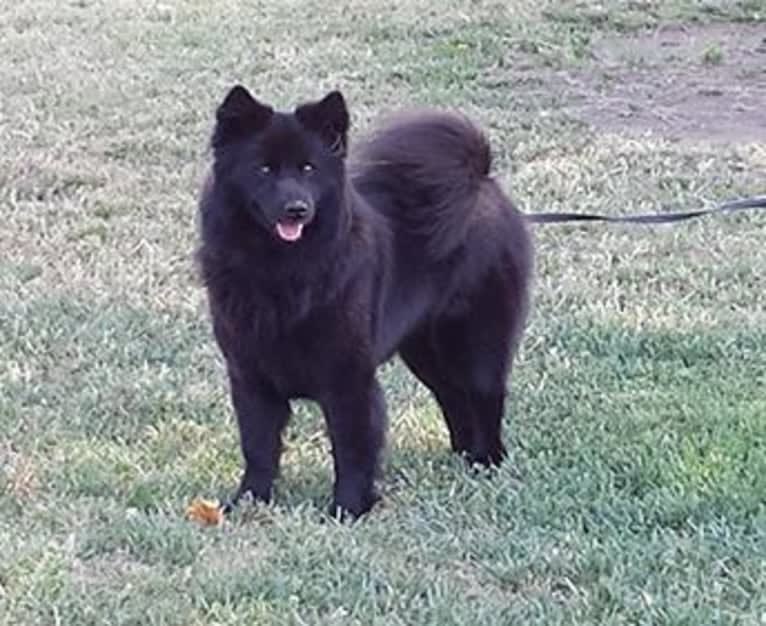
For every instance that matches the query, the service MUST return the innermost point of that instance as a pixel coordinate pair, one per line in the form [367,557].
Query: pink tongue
[289,231]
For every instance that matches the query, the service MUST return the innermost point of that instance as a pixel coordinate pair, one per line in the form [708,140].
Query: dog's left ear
[328,117]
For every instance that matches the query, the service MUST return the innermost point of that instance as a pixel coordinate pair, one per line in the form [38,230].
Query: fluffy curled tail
[435,166]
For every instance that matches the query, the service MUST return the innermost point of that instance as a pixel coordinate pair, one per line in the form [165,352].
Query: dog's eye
[307,168]
[265,169]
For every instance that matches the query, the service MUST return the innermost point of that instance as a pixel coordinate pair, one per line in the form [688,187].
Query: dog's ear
[239,114]
[328,117]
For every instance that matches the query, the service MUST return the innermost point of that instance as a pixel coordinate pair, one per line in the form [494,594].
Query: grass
[635,491]
[713,55]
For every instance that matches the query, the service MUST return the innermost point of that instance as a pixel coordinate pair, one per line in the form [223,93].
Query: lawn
[635,492]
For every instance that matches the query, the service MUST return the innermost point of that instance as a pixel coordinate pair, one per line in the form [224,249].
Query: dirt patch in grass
[686,82]
[18,473]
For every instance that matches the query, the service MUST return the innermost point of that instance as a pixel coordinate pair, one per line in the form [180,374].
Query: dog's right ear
[239,114]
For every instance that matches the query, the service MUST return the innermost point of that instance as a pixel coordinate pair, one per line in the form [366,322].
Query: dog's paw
[349,508]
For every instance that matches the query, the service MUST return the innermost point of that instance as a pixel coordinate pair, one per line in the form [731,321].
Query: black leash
[757,202]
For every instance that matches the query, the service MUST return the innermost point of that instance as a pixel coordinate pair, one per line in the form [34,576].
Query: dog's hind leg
[464,357]
[472,406]
[419,353]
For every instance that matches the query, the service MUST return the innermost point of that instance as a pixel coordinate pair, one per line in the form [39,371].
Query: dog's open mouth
[290,230]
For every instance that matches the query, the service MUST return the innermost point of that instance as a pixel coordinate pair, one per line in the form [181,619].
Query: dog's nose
[297,209]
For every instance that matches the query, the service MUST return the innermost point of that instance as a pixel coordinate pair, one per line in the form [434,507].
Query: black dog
[318,271]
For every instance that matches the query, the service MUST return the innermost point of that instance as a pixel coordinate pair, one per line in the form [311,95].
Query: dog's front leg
[355,413]
[261,416]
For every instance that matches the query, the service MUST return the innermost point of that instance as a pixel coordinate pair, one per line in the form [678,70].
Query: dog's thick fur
[317,270]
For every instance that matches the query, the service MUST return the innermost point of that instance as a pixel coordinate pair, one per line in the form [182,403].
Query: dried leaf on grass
[206,512]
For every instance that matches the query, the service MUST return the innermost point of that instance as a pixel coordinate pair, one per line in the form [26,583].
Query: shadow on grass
[599,416]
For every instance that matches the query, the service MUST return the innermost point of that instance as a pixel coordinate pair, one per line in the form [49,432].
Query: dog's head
[284,171]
